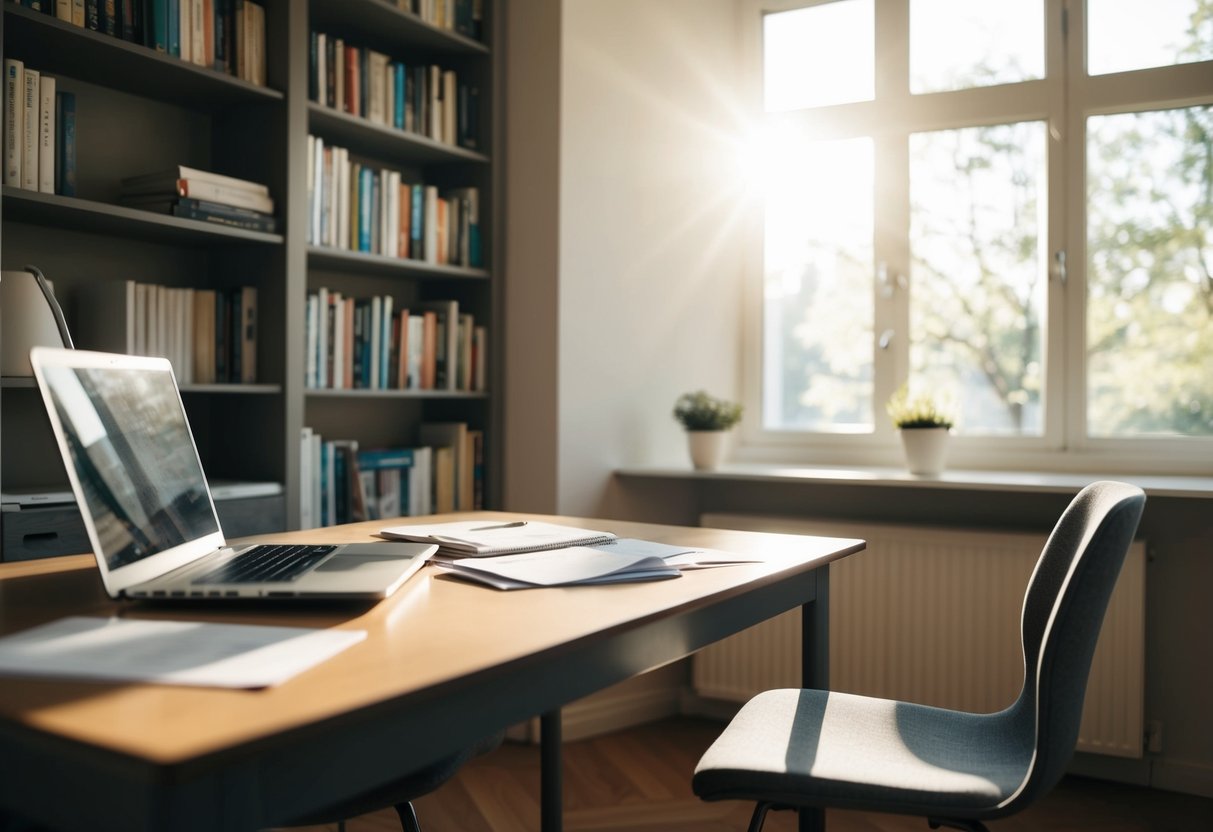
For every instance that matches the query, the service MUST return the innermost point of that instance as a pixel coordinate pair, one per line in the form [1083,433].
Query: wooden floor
[639,781]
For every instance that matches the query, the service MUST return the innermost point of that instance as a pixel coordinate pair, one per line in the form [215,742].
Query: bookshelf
[139,110]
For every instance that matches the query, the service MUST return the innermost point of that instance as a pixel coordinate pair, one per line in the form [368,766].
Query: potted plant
[707,421]
[924,425]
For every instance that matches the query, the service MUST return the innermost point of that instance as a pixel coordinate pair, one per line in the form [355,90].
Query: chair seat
[818,748]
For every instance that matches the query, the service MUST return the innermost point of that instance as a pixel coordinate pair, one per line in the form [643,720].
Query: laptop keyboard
[263,564]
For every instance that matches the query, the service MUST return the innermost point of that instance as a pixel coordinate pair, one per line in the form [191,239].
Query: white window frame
[1063,444]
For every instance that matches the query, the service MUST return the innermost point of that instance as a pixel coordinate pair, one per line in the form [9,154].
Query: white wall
[648,278]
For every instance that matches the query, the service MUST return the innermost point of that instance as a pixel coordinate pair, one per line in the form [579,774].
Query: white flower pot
[926,450]
[708,448]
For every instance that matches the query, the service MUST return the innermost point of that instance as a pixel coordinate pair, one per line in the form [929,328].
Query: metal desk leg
[551,803]
[815,667]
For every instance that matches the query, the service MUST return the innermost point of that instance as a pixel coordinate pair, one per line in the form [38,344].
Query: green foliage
[700,411]
[917,411]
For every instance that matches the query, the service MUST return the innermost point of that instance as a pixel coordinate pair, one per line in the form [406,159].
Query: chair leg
[759,817]
[408,817]
[963,825]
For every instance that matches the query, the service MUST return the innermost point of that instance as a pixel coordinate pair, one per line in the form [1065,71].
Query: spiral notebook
[487,538]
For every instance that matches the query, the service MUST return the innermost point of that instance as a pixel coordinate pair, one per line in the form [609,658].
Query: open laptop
[151,520]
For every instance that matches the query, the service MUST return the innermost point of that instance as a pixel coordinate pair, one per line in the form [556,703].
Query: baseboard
[692,704]
[1114,769]
[1188,778]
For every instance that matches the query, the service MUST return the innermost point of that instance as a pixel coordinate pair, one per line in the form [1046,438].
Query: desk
[444,664]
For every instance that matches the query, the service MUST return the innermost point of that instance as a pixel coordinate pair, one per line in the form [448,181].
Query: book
[65,143]
[213,212]
[451,435]
[489,538]
[30,97]
[168,178]
[46,135]
[14,119]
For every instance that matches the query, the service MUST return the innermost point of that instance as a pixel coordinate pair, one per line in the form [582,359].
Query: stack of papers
[574,565]
[481,538]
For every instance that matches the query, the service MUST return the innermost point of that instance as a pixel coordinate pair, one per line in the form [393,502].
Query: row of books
[201,195]
[343,483]
[463,16]
[39,131]
[225,35]
[209,335]
[428,100]
[373,344]
[360,207]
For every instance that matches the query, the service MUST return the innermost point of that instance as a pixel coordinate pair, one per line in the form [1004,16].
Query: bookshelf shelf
[60,48]
[361,393]
[323,258]
[77,214]
[239,389]
[382,21]
[384,142]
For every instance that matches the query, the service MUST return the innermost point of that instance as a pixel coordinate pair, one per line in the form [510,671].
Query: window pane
[1150,257]
[817,329]
[957,44]
[977,281]
[1137,34]
[818,55]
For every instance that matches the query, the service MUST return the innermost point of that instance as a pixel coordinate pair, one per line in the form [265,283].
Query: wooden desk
[444,664]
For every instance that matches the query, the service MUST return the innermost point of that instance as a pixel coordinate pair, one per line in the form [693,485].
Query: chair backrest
[1063,611]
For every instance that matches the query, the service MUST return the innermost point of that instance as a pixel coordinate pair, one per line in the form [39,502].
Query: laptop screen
[134,458]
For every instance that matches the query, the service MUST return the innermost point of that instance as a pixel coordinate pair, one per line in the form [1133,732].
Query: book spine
[126,18]
[46,135]
[228,196]
[109,17]
[63,10]
[78,13]
[92,15]
[14,116]
[30,98]
[173,25]
[266,224]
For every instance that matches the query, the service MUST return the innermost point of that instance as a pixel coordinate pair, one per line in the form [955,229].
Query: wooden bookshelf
[140,110]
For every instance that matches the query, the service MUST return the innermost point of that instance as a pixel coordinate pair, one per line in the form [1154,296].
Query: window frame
[1064,99]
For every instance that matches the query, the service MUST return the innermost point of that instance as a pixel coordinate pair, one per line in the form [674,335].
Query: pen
[516,524]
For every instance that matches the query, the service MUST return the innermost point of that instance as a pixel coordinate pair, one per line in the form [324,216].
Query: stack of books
[201,195]
[39,131]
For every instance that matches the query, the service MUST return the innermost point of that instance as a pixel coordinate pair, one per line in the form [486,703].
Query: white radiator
[932,616]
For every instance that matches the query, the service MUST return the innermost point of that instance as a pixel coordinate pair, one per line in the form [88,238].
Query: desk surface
[444,663]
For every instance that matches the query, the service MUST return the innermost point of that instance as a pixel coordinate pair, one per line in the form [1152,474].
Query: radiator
[932,615]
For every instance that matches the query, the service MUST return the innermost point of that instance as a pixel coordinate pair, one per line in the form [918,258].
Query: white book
[376,334]
[185,28]
[430,230]
[320,70]
[29,129]
[338,303]
[384,345]
[326,189]
[14,119]
[46,135]
[343,199]
[63,10]
[318,178]
[197,20]
[312,195]
[78,13]
[376,64]
[416,344]
[310,343]
[139,337]
[306,511]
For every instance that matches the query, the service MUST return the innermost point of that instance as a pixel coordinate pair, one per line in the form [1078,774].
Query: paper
[170,652]
[574,565]
[681,556]
[484,538]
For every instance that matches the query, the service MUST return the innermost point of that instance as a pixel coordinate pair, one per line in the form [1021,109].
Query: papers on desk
[489,538]
[171,652]
[622,561]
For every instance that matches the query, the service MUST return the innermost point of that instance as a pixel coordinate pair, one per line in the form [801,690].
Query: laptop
[148,509]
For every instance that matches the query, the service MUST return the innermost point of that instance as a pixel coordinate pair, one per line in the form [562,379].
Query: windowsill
[999,481]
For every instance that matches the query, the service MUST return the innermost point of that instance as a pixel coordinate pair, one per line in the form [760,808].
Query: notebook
[150,516]
[489,538]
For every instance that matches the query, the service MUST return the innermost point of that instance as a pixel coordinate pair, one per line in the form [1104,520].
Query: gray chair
[812,749]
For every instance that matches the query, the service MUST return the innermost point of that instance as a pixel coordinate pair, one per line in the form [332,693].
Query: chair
[812,749]
[401,793]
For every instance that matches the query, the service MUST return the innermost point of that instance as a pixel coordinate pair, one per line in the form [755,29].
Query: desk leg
[551,802]
[815,668]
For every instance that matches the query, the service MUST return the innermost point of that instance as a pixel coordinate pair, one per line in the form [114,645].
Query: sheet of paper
[681,556]
[171,652]
[562,567]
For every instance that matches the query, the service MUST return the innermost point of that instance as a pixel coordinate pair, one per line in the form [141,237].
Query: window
[1011,203]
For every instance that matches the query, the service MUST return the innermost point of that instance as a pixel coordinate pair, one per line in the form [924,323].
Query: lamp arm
[56,310]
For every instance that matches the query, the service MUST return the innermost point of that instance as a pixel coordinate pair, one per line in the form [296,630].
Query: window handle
[1059,266]
[886,338]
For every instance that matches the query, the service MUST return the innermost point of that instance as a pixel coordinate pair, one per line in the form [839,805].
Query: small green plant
[917,411]
[700,411]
